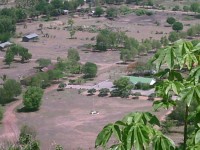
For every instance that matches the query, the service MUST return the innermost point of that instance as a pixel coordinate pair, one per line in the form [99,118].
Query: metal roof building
[136,80]
[4,45]
[29,37]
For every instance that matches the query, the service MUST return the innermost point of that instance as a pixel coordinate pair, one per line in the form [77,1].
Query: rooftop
[136,80]
[32,35]
[5,44]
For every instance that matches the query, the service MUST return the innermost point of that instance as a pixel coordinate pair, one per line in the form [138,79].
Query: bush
[1,112]
[137,94]
[143,86]
[177,26]
[91,91]
[11,88]
[170,20]
[173,36]
[43,62]
[103,92]
[115,93]
[32,98]
[89,70]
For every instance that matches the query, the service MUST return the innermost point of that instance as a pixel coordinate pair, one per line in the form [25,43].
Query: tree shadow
[25,110]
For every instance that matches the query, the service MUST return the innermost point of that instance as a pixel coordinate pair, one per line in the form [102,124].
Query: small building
[30,37]
[5,45]
[136,80]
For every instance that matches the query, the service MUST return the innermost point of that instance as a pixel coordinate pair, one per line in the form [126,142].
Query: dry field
[64,116]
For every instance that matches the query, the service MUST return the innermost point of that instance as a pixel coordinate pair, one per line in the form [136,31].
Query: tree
[186,8]
[195,7]
[112,12]
[32,98]
[7,24]
[70,22]
[11,88]
[176,56]
[177,26]
[171,20]
[125,55]
[72,33]
[123,86]
[9,57]
[55,74]
[25,55]
[73,55]
[1,112]
[91,91]
[89,70]
[173,36]
[103,92]
[135,131]
[98,11]
[43,62]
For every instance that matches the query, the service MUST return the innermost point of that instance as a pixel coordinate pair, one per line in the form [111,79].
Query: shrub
[1,112]
[43,62]
[32,98]
[137,94]
[91,91]
[89,70]
[103,92]
[143,86]
[177,26]
[115,93]
[170,20]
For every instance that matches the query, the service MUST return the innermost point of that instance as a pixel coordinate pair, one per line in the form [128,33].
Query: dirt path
[10,128]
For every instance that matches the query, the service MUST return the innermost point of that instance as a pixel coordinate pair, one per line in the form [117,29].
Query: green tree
[98,11]
[173,36]
[89,70]
[11,88]
[72,33]
[91,91]
[43,62]
[180,54]
[7,24]
[177,26]
[55,74]
[73,55]
[123,86]
[125,55]
[9,57]
[112,12]
[32,98]
[171,20]
[135,130]
[1,112]
[70,22]
[195,7]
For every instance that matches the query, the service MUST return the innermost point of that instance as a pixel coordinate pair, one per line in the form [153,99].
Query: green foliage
[98,11]
[11,88]
[73,55]
[174,36]
[7,25]
[43,62]
[4,37]
[123,87]
[177,26]
[171,20]
[176,8]
[125,55]
[136,131]
[143,86]
[55,74]
[32,98]
[21,51]
[27,138]
[70,22]
[111,12]
[1,112]
[124,10]
[195,7]
[9,57]
[89,70]
[72,33]
[91,91]
[103,92]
